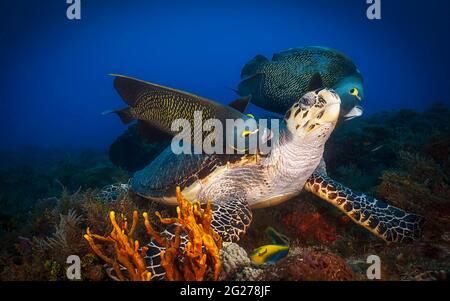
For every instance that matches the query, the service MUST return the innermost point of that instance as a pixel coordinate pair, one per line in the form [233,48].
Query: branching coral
[190,261]
[66,238]
[203,245]
[127,251]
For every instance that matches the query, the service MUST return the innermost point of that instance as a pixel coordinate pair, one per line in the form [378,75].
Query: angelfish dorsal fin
[315,82]
[129,88]
[251,68]
[240,104]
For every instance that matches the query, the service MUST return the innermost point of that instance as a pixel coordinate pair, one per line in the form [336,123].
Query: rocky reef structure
[361,150]
[310,226]
[310,264]
[54,230]
[301,264]
[233,258]
[34,179]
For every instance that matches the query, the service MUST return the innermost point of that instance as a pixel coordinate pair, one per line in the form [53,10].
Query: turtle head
[351,91]
[314,116]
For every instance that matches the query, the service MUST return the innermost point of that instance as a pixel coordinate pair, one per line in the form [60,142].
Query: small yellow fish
[268,254]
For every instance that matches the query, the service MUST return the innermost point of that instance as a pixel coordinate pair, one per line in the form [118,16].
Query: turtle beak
[332,108]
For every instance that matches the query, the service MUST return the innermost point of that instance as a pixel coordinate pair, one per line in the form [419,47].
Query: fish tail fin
[253,65]
[276,237]
[240,104]
[125,115]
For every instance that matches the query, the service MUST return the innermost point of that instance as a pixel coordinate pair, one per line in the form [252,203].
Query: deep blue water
[54,82]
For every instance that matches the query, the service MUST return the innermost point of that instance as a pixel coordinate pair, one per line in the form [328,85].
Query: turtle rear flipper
[230,219]
[386,221]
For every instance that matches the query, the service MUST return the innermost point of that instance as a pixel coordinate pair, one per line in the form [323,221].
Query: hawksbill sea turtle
[275,85]
[237,184]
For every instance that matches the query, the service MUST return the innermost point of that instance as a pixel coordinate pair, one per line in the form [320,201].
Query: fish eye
[245,134]
[354,91]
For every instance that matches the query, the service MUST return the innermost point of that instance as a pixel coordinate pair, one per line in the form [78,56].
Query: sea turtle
[274,85]
[236,184]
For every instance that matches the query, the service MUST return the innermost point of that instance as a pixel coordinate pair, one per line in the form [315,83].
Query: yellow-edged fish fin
[262,253]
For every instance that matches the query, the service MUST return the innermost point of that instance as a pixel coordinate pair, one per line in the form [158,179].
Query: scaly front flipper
[231,215]
[388,222]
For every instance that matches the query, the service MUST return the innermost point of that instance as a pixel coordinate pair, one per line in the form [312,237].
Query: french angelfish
[156,107]
[275,85]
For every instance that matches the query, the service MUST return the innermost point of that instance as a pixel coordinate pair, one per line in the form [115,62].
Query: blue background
[54,79]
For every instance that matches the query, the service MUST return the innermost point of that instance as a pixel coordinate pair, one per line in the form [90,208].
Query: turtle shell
[158,180]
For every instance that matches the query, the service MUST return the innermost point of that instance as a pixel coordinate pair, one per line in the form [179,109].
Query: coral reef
[65,239]
[49,197]
[190,261]
[202,250]
[301,264]
[249,273]
[234,258]
[410,170]
[34,177]
[419,185]
[310,226]
[368,146]
[52,232]
[127,251]
[310,264]
[236,265]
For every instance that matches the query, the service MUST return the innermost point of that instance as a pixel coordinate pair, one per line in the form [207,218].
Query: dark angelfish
[275,85]
[157,107]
